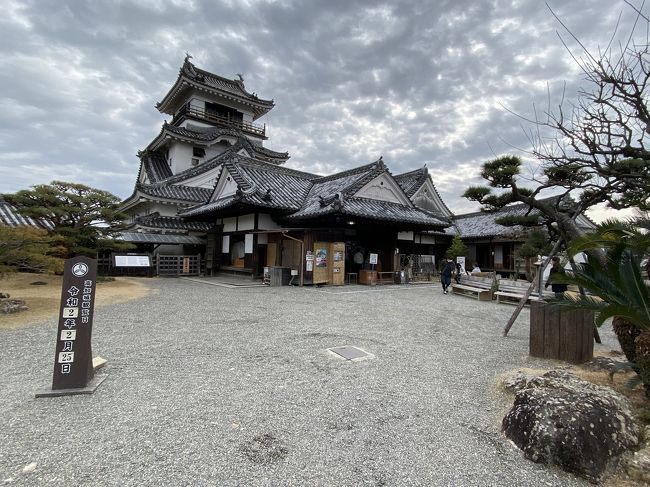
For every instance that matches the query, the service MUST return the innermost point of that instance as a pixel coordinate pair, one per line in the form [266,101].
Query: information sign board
[73,367]
[131,260]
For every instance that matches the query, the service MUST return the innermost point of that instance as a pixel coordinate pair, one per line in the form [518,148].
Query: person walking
[558,288]
[445,275]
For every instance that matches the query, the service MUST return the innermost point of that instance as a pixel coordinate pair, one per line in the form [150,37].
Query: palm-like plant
[616,286]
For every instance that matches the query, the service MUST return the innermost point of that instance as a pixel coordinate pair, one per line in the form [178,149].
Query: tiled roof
[374,210]
[325,189]
[156,167]
[160,238]
[483,224]
[412,181]
[175,192]
[155,220]
[191,76]
[236,87]
[288,187]
[10,217]
[203,134]
[304,196]
[261,184]
[199,210]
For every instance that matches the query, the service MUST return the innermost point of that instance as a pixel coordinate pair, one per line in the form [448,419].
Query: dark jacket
[556,287]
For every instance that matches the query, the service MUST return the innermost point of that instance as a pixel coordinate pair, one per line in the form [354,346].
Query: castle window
[198,152]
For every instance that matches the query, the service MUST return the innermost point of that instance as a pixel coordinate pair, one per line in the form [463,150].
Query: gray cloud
[415,81]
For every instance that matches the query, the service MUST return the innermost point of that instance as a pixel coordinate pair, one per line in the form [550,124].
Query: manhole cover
[349,352]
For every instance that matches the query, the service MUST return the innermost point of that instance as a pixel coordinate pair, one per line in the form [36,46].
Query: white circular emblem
[80,269]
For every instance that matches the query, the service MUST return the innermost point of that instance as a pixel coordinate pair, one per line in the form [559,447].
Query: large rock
[12,306]
[558,418]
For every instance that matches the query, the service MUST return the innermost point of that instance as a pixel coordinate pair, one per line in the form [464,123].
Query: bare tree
[593,149]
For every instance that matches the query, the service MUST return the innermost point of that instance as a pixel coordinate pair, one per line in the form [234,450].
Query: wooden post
[529,291]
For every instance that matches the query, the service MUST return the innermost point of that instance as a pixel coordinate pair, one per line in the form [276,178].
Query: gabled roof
[413,180]
[10,217]
[260,184]
[326,189]
[191,77]
[304,196]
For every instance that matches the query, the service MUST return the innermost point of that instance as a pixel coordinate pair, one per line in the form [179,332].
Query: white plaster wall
[405,236]
[214,150]
[226,186]
[246,222]
[230,224]
[383,188]
[197,103]
[180,156]
[426,239]
[248,243]
[225,244]
[196,123]
[265,222]
[205,180]
[163,209]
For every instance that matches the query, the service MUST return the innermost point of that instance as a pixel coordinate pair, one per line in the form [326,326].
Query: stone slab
[89,389]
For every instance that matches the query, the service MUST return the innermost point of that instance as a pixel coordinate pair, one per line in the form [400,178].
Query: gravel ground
[209,385]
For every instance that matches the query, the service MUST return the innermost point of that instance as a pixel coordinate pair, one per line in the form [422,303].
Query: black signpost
[73,363]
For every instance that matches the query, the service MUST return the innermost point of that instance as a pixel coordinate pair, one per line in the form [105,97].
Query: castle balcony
[225,121]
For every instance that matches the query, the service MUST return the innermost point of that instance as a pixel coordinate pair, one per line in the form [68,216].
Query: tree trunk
[643,359]
[626,333]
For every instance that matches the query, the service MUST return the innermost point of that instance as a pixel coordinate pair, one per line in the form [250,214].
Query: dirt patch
[43,299]
[264,449]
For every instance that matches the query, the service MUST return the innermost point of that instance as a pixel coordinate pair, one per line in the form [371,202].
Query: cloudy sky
[417,82]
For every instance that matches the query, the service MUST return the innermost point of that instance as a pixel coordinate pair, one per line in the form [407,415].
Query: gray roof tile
[483,224]
[155,220]
[373,210]
[412,181]
[176,192]
[11,217]
[156,167]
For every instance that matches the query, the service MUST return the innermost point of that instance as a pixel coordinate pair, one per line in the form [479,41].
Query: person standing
[445,275]
[558,288]
[409,269]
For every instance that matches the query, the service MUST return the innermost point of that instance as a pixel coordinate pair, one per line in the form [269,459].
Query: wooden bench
[512,291]
[470,285]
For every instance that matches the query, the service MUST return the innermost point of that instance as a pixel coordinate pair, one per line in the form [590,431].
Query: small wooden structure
[470,285]
[562,334]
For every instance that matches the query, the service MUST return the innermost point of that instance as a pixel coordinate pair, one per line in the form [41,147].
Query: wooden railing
[221,120]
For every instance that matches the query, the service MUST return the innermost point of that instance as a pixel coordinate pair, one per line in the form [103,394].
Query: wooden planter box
[561,334]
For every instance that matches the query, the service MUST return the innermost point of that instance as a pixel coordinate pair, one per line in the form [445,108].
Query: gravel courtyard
[211,385]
